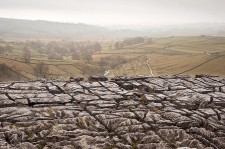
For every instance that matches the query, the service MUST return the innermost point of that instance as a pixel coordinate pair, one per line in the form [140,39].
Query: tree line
[130,41]
[5,49]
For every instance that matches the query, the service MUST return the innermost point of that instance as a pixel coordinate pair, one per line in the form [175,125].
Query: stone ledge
[123,112]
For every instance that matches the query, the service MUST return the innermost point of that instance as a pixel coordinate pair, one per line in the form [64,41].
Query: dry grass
[167,56]
[174,55]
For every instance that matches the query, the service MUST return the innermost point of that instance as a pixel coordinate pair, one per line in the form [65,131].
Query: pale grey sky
[116,12]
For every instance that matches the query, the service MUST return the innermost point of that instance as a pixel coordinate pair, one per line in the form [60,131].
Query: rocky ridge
[126,113]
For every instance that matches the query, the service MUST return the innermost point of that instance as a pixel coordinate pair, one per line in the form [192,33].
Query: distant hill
[17,28]
[14,28]
[28,29]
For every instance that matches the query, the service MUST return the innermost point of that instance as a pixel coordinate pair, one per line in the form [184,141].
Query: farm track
[149,66]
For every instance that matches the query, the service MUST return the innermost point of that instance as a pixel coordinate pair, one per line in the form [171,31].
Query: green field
[166,56]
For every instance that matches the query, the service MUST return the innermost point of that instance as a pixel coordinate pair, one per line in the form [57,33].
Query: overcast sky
[116,12]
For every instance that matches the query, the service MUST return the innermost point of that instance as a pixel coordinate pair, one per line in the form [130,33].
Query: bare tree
[26,54]
[2,49]
[86,55]
[76,55]
[117,45]
[88,70]
[8,48]
[97,47]
[41,70]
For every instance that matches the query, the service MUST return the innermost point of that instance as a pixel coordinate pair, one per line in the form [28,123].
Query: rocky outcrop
[141,112]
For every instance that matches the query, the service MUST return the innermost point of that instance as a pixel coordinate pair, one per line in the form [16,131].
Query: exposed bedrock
[170,112]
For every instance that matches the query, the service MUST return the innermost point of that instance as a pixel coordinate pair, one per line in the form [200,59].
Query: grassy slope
[174,55]
[166,56]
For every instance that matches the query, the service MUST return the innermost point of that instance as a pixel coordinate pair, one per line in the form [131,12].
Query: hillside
[9,74]
[172,55]
[13,28]
[177,55]
[39,29]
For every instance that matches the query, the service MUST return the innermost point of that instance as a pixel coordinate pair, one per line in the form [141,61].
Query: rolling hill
[14,28]
[166,56]
[39,29]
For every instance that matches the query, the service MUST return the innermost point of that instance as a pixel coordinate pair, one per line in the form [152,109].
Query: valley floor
[165,56]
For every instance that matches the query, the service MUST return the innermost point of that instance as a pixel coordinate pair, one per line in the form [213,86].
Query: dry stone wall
[126,113]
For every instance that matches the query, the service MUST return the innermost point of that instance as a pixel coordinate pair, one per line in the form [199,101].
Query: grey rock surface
[126,113]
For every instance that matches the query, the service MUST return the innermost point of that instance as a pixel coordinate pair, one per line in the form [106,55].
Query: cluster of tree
[112,61]
[85,55]
[6,48]
[89,70]
[41,70]
[26,54]
[63,46]
[7,73]
[4,70]
[35,44]
[129,42]
[55,56]
[57,49]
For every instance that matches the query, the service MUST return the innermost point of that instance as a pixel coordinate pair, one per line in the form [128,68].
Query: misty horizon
[117,13]
[119,26]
